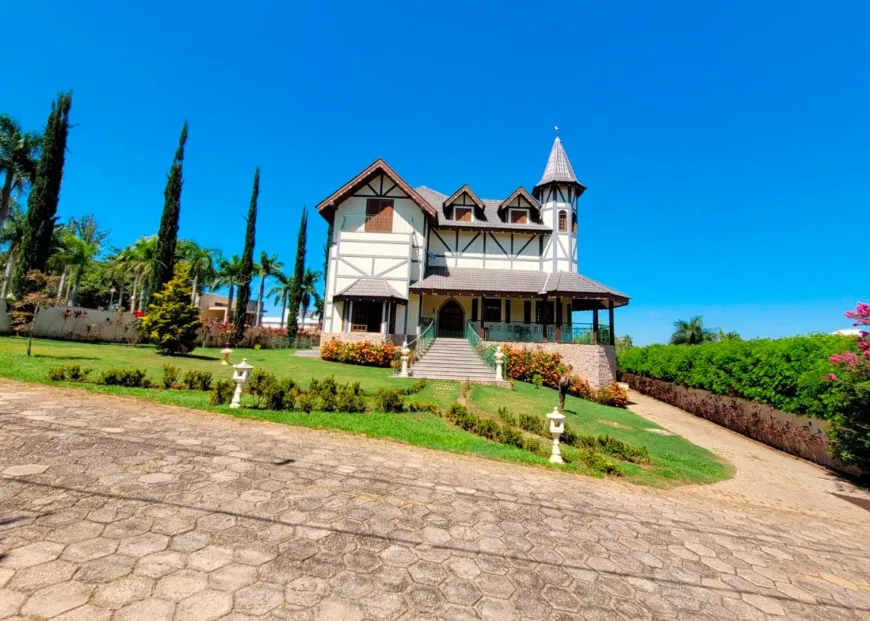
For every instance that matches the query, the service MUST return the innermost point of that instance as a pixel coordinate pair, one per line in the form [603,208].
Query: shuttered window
[379,215]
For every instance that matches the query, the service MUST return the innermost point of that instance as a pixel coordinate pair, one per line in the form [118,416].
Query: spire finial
[556,127]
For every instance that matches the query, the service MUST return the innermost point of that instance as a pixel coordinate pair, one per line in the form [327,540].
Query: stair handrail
[486,354]
[424,341]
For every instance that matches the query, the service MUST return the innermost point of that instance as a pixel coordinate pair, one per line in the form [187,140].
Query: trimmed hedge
[789,374]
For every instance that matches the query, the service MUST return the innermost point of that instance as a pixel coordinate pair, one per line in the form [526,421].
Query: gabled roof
[465,190]
[369,289]
[327,205]
[520,191]
[558,168]
[488,219]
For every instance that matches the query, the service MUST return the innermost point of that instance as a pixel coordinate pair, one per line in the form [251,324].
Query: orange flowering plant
[367,353]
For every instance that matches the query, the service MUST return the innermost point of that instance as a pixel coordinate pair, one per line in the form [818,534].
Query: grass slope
[675,461]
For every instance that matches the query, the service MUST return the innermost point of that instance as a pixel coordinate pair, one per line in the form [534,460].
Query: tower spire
[558,168]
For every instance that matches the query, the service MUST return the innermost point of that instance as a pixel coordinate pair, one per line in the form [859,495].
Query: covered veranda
[517,306]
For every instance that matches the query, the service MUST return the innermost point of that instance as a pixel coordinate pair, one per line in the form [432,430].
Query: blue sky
[725,146]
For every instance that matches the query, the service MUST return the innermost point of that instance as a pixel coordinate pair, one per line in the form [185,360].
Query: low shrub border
[797,435]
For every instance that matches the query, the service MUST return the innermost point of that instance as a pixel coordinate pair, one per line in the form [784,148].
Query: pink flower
[832,377]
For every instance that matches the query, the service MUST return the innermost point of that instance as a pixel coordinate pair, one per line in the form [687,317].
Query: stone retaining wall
[594,363]
[61,322]
[797,435]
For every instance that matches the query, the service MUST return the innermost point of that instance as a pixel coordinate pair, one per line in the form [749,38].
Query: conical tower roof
[558,167]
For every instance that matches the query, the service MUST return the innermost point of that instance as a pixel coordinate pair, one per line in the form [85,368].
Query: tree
[43,199]
[309,291]
[280,293]
[18,158]
[298,275]
[228,276]
[137,260]
[172,321]
[27,308]
[167,236]
[201,262]
[623,343]
[318,309]
[268,266]
[82,242]
[10,237]
[246,271]
[692,332]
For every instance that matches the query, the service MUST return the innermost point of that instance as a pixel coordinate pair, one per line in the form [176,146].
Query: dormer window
[463,214]
[519,216]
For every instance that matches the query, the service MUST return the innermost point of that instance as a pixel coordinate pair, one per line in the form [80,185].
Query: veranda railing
[486,352]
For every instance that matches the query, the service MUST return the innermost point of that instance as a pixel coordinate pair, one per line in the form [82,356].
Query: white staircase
[452,359]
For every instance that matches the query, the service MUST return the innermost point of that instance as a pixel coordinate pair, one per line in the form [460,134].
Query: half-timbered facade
[402,258]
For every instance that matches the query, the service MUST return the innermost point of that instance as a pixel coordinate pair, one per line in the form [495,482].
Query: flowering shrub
[543,368]
[613,395]
[850,424]
[523,364]
[366,353]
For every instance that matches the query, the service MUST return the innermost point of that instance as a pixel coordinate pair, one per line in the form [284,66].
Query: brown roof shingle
[513,282]
[370,289]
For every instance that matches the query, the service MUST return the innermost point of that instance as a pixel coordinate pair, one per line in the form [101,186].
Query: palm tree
[202,265]
[228,273]
[81,242]
[691,332]
[136,260]
[18,155]
[10,236]
[309,292]
[318,308]
[280,293]
[269,265]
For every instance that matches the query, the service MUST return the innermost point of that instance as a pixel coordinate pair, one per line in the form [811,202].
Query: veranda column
[612,330]
[595,326]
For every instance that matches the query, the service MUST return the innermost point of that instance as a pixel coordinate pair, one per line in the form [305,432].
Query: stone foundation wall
[798,435]
[594,363]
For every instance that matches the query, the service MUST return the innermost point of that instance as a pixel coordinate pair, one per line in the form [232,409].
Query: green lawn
[675,461]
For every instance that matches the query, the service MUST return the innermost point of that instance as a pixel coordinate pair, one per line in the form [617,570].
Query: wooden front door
[451,320]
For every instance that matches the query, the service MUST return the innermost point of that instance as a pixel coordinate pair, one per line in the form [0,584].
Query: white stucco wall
[396,257]
[96,325]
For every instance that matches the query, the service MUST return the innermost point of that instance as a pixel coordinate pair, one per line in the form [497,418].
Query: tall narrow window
[527,311]
[379,215]
[507,310]
[563,221]
[474,303]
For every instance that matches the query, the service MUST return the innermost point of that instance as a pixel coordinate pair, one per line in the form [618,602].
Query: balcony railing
[375,223]
[520,332]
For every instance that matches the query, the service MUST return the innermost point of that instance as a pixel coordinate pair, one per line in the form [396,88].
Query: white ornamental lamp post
[557,426]
[226,351]
[240,377]
[499,364]
[406,353]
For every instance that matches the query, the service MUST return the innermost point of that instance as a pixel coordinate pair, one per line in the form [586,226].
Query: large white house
[402,258]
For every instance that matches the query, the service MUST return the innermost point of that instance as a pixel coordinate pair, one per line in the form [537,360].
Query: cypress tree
[42,203]
[298,273]
[167,237]
[247,270]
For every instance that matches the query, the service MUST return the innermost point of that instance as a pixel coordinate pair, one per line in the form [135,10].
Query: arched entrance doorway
[451,320]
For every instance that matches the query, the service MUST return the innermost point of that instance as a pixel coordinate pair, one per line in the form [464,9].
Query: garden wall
[76,323]
[594,363]
[798,435]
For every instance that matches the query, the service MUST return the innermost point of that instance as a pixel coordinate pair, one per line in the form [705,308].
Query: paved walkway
[117,509]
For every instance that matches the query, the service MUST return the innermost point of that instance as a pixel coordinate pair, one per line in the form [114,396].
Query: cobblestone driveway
[117,509]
